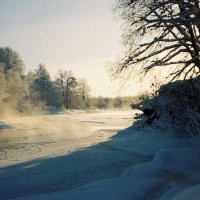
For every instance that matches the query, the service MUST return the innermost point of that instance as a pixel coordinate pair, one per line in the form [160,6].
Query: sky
[78,35]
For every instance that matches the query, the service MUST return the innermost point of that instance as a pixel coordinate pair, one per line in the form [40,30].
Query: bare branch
[172,29]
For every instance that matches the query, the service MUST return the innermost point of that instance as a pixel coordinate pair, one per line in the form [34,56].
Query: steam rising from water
[27,138]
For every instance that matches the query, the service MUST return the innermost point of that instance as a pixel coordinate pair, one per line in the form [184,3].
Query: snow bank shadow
[102,161]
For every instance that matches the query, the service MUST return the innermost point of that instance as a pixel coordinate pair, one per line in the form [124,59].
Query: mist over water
[33,137]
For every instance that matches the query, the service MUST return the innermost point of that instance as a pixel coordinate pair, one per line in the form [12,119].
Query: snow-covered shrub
[182,105]
[177,103]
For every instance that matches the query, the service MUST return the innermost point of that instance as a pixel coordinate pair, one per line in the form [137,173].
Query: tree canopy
[160,33]
[10,60]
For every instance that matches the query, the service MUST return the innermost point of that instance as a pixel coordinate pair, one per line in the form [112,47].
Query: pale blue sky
[79,35]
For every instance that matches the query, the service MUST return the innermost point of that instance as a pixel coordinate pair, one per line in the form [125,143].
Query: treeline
[35,90]
[113,103]
[32,91]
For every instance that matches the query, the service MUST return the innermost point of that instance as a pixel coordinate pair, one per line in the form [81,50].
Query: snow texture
[137,163]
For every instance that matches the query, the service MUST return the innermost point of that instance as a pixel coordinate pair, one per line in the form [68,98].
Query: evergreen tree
[42,85]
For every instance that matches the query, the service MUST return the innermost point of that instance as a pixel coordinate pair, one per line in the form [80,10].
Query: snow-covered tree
[65,84]
[10,60]
[42,85]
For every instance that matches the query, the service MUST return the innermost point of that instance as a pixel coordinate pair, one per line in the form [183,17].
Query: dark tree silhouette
[160,33]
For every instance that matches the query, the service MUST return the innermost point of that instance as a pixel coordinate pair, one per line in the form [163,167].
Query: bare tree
[160,33]
[66,83]
[83,89]
[81,98]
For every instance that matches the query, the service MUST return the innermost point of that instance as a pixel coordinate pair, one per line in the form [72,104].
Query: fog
[33,137]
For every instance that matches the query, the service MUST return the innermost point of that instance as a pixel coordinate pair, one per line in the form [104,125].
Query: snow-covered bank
[139,163]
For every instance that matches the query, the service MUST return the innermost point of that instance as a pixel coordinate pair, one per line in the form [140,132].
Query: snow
[190,193]
[139,162]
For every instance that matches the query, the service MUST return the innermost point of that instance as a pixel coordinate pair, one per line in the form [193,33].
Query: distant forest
[35,90]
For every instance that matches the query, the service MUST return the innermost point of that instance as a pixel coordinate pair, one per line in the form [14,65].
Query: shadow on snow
[83,166]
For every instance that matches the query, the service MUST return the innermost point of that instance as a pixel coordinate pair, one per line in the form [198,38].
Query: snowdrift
[167,169]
